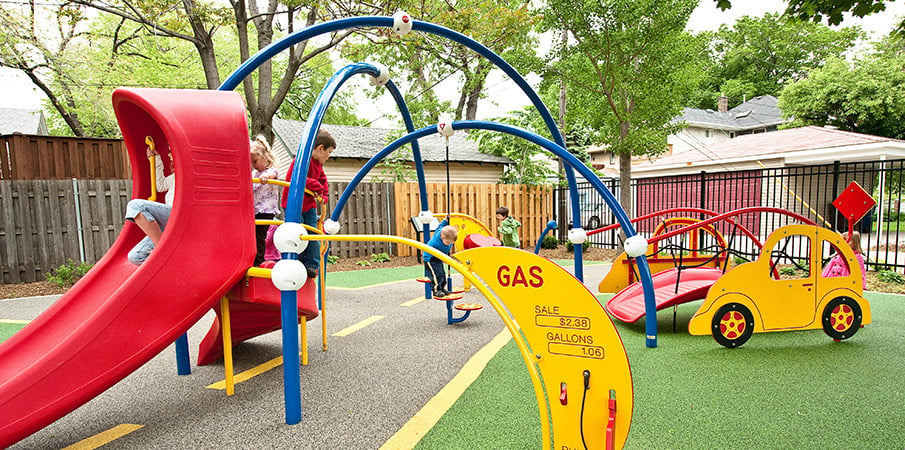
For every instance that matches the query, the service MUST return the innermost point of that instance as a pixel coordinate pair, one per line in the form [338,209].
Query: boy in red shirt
[324,144]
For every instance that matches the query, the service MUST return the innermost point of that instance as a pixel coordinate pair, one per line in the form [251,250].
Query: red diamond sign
[854,202]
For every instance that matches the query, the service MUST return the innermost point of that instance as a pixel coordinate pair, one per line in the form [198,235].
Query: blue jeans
[436,273]
[311,256]
[153,211]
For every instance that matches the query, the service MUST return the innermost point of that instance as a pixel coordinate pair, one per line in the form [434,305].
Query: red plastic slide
[119,315]
[693,284]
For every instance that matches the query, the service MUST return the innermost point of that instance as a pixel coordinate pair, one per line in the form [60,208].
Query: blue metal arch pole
[293,210]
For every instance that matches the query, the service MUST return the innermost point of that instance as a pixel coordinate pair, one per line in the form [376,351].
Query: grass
[779,390]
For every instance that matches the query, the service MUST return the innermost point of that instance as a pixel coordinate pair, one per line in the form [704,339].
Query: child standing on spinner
[324,144]
[508,228]
[267,196]
[442,240]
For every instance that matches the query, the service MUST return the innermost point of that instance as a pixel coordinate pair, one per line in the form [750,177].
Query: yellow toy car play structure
[752,298]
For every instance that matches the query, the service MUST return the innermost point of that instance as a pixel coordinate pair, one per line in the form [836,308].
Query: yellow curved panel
[568,332]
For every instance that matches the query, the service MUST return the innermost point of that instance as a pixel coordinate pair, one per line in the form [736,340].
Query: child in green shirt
[508,228]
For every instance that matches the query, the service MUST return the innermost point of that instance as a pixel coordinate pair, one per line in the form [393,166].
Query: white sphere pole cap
[288,275]
[331,226]
[402,23]
[383,75]
[445,127]
[286,238]
[425,217]
[635,246]
[578,236]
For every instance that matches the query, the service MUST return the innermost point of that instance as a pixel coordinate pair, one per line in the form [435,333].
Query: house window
[612,158]
[708,133]
[731,134]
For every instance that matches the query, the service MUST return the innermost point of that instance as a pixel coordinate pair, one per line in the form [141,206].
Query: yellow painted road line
[250,373]
[349,330]
[415,429]
[22,322]
[105,437]
[414,301]
[339,288]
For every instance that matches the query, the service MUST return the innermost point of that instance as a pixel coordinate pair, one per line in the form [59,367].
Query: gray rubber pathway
[356,395]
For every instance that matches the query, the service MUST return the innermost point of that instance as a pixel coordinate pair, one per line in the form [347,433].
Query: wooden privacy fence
[531,205]
[369,210]
[31,157]
[45,222]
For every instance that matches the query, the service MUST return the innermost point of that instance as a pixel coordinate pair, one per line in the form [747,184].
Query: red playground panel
[693,284]
[479,240]
[254,309]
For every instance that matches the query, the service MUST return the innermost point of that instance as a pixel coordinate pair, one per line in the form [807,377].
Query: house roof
[794,146]
[365,142]
[759,112]
[25,121]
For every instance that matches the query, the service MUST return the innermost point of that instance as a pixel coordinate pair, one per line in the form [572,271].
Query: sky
[16,91]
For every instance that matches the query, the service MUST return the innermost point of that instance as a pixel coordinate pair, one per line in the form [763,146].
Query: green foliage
[380,257]
[889,276]
[571,247]
[549,242]
[530,167]
[737,260]
[363,263]
[864,96]
[788,270]
[332,259]
[67,274]
[397,167]
[760,55]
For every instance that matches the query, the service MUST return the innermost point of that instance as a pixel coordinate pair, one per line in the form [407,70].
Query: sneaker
[312,272]
[440,292]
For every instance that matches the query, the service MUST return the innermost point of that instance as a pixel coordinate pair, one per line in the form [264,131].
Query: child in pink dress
[837,266]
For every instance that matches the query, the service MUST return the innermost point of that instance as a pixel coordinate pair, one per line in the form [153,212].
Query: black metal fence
[799,191]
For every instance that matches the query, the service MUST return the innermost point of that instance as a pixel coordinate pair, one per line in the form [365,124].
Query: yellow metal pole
[150,143]
[461,268]
[226,331]
[303,321]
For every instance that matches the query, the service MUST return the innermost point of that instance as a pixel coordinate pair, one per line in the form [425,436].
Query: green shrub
[736,260]
[332,259]
[549,241]
[380,257]
[363,263]
[67,274]
[584,246]
[889,276]
[788,270]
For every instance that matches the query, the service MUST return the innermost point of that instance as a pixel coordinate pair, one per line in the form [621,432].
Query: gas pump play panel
[570,340]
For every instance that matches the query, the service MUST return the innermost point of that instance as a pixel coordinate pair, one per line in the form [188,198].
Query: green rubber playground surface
[779,390]
[7,329]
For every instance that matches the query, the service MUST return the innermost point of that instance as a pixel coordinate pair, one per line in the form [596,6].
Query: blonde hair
[261,148]
[450,232]
[854,241]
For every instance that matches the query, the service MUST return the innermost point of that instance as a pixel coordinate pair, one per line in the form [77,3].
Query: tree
[630,67]
[816,10]
[760,55]
[40,43]
[423,61]
[197,22]
[864,96]
[530,164]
